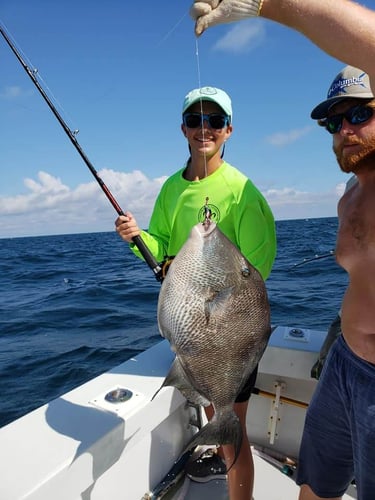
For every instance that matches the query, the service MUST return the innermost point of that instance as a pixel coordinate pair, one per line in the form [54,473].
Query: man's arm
[342,28]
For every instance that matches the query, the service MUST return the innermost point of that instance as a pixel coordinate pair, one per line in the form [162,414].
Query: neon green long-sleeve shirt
[237,206]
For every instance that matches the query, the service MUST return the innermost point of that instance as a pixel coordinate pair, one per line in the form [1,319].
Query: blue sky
[119,75]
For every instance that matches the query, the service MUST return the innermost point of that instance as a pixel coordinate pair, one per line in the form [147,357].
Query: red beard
[364,159]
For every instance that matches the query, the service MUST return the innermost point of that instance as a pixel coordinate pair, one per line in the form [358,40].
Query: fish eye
[245,271]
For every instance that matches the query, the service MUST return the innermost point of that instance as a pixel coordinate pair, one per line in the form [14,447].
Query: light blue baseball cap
[212,94]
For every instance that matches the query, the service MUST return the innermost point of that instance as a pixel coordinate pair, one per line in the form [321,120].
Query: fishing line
[201,100]
[37,75]
[198,65]
[168,34]
[32,73]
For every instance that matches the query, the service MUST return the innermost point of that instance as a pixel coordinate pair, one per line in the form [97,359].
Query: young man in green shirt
[208,183]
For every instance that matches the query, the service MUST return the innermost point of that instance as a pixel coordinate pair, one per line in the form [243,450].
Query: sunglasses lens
[356,115]
[192,120]
[215,121]
[360,114]
[334,123]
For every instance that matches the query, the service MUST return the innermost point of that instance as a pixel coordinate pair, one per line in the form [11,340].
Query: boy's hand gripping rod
[137,240]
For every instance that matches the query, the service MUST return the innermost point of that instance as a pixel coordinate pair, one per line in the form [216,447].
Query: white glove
[208,13]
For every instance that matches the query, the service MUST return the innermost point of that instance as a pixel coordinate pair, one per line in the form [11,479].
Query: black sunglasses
[215,120]
[355,115]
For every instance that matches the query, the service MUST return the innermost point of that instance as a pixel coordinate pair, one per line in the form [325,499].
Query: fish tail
[223,429]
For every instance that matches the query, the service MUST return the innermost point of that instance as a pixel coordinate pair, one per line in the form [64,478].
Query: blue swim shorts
[338,442]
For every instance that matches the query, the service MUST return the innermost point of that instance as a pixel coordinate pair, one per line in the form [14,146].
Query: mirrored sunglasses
[355,115]
[214,120]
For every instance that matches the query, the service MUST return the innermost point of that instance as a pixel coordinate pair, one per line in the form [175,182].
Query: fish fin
[221,429]
[173,376]
[176,377]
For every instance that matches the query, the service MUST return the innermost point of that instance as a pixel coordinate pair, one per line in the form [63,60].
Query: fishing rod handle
[147,255]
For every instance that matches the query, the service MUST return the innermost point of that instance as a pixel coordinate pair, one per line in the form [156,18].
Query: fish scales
[214,310]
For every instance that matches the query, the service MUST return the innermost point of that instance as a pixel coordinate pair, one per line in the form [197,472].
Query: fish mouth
[205,228]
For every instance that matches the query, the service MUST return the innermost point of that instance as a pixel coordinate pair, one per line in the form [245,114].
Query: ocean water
[74,306]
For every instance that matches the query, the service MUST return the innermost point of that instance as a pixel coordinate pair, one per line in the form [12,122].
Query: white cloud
[281,139]
[47,184]
[242,37]
[289,203]
[51,207]
[13,92]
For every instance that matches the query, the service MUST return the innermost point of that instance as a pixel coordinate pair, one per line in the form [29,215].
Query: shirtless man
[339,437]
[338,443]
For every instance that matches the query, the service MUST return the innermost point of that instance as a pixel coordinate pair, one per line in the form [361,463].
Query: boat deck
[270,484]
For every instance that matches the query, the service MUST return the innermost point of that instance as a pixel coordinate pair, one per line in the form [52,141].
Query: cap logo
[208,91]
[340,85]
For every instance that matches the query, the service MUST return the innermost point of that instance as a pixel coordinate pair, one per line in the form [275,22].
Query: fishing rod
[137,240]
[316,257]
